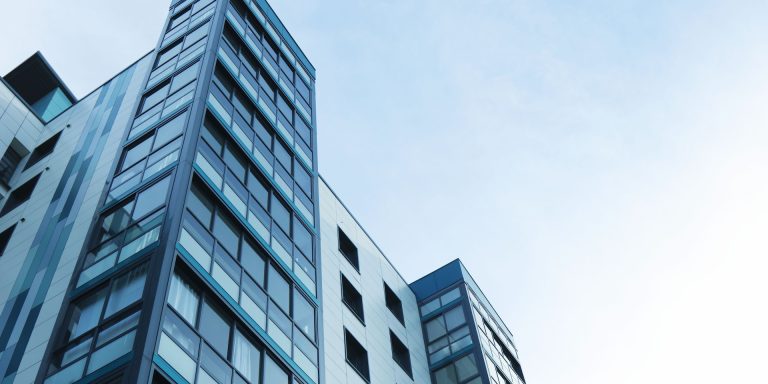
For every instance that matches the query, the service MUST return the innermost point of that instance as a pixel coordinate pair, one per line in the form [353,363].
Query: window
[246,357]
[348,249]
[154,97]
[43,150]
[352,298]
[278,288]
[215,328]
[11,160]
[400,354]
[168,53]
[458,372]
[441,301]
[303,314]
[5,237]
[126,290]
[273,373]
[179,18]
[448,321]
[20,195]
[184,299]
[393,303]
[357,356]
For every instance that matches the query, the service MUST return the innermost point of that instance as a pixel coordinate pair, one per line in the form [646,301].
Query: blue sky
[599,166]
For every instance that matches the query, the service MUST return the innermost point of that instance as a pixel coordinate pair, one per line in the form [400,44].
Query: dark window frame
[347,285]
[43,150]
[5,238]
[348,249]
[394,303]
[400,353]
[359,363]
[20,195]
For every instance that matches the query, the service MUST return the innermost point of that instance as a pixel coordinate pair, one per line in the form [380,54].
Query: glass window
[200,205]
[126,290]
[234,161]
[303,240]
[246,357]
[466,367]
[151,198]
[184,299]
[216,369]
[197,34]
[303,314]
[282,155]
[352,298]
[226,233]
[168,53]
[393,303]
[279,289]
[213,136]
[253,260]
[135,152]
[302,177]
[117,220]
[357,356]
[348,249]
[169,131]
[86,313]
[454,317]
[154,97]
[280,215]
[257,187]
[214,328]
[285,109]
[181,333]
[273,373]
[179,18]
[435,328]
[185,77]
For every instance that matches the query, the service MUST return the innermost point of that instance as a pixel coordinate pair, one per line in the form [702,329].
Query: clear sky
[600,166]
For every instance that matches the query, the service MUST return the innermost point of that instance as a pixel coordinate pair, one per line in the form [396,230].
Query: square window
[393,303]
[400,354]
[43,150]
[20,195]
[352,298]
[348,249]
[357,356]
[154,97]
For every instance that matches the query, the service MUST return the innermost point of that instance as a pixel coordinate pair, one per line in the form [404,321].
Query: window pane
[135,153]
[435,328]
[466,367]
[273,374]
[454,317]
[168,54]
[214,328]
[154,98]
[201,206]
[181,333]
[280,215]
[303,314]
[86,313]
[226,233]
[303,240]
[282,155]
[151,198]
[235,162]
[246,358]
[169,131]
[116,221]
[183,299]
[184,77]
[279,289]
[252,258]
[257,187]
[126,290]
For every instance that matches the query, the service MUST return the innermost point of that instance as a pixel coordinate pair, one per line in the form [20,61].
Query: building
[172,227]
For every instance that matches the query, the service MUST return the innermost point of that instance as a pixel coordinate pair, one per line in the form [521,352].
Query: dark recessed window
[393,303]
[348,249]
[400,354]
[357,356]
[5,237]
[10,161]
[20,195]
[43,150]
[352,298]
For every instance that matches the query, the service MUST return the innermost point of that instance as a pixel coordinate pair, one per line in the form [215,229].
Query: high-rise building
[172,227]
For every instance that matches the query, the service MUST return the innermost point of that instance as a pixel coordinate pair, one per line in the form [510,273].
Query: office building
[171,227]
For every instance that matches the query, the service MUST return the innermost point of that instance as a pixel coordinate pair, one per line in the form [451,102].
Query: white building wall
[375,269]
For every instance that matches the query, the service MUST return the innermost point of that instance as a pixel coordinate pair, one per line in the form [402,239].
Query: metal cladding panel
[52,225]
